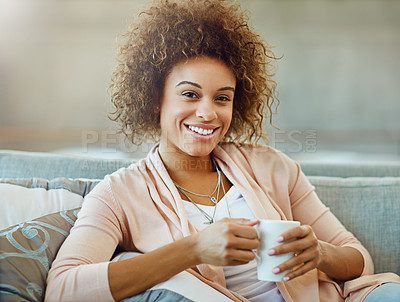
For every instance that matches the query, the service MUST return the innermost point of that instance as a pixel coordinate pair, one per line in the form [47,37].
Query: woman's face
[196,106]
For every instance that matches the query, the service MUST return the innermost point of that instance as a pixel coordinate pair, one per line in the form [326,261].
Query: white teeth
[201,130]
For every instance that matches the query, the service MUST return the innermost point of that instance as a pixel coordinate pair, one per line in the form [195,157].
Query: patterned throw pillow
[27,251]
[35,218]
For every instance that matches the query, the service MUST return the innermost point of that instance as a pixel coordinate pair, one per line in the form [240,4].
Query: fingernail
[275,270]
[286,278]
[271,252]
[279,239]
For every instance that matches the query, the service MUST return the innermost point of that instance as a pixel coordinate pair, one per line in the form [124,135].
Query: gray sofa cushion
[383,169]
[47,165]
[370,209]
[17,164]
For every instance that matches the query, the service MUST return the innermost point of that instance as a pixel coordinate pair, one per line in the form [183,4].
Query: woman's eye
[223,98]
[189,94]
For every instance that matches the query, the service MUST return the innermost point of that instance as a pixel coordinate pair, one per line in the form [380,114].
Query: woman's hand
[229,241]
[307,248]
[342,263]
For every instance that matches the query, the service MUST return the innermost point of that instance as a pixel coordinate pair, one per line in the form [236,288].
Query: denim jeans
[387,292]
[157,295]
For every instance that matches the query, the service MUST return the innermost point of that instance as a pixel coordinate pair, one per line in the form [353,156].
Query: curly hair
[169,32]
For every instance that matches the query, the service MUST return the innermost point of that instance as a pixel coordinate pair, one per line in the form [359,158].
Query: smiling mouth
[201,131]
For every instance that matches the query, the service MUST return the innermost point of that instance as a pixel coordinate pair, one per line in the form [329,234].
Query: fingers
[244,230]
[241,221]
[228,242]
[296,240]
[240,239]
[303,242]
[234,242]
[299,271]
[301,264]
[237,256]
[238,236]
[296,232]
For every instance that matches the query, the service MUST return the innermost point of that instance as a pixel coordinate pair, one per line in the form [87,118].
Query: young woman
[194,77]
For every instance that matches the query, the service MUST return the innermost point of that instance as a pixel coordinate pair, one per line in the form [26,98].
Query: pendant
[213,199]
[209,222]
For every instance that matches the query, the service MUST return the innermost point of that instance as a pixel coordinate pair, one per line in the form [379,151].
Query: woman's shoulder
[121,179]
[264,162]
[257,153]
[132,170]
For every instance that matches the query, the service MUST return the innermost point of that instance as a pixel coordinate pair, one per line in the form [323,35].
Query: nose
[206,110]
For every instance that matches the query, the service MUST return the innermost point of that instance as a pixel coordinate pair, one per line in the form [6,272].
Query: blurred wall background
[338,79]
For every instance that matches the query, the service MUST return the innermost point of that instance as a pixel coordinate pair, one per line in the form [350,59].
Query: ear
[157,110]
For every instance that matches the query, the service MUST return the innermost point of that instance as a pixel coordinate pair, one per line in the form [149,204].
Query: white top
[241,279]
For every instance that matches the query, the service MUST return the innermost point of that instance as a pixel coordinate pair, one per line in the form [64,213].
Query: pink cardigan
[140,209]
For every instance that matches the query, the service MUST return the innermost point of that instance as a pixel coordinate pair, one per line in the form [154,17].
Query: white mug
[268,232]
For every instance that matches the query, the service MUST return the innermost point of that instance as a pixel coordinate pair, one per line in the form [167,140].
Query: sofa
[41,193]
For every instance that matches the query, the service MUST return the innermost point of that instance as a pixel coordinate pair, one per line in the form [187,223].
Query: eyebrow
[198,86]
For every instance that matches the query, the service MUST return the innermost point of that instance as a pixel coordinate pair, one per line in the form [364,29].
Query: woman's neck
[195,174]
[184,165]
